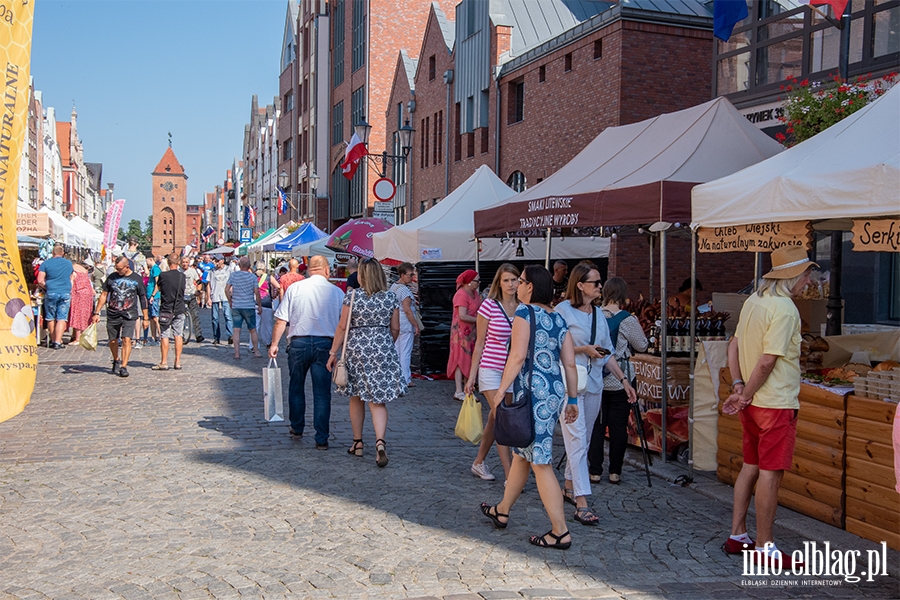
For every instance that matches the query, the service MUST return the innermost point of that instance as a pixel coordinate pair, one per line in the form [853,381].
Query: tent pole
[693,351]
[477,244]
[547,257]
[651,269]
[757,267]
[664,384]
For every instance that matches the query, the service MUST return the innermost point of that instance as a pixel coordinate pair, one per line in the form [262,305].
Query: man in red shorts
[766,350]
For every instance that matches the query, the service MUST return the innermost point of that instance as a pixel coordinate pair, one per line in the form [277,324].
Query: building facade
[169,197]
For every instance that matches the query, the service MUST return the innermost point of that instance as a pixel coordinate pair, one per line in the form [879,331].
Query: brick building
[169,194]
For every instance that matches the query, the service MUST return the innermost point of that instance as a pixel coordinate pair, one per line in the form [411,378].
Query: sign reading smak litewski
[876,235]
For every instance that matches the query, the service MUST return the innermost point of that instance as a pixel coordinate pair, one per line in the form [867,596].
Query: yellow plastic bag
[88,338]
[469,425]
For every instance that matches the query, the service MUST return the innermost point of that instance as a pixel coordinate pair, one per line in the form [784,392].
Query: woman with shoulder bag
[627,336]
[590,334]
[542,336]
[494,326]
[373,367]
[466,302]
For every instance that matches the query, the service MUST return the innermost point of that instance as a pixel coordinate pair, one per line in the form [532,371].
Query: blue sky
[139,69]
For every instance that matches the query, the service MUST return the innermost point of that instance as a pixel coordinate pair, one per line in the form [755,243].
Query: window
[337,34]
[340,195]
[357,105]
[886,32]
[568,62]
[439,137]
[435,202]
[542,74]
[423,206]
[457,146]
[432,68]
[423,145]
[358,57]
[337,123]
[289,102]
[470,144]
[516,102]
[516,181]
[485,139]
[288,150]
[598,49]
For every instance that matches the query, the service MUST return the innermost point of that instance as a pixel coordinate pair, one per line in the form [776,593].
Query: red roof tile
[169,164]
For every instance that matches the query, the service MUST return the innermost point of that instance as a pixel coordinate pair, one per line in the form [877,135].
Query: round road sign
[384,189]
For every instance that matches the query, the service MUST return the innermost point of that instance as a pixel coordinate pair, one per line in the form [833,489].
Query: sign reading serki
[876,235]
[756,237]
[34,224]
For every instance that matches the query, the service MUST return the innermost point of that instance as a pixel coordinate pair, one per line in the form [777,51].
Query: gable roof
[409,65]
[447,27]
[169,165]
[534,23]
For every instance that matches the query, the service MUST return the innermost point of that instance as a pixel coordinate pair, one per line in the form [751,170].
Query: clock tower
[169,205]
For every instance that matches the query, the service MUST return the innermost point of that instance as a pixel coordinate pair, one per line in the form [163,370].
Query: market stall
[243,248]
[638,175]
[845,178]
[304,234]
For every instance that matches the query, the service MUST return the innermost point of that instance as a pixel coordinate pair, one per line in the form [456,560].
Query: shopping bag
[88,339]
[272,401]
[469,425]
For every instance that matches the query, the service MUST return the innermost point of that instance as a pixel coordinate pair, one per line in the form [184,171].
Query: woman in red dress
[462,329]
[82,301]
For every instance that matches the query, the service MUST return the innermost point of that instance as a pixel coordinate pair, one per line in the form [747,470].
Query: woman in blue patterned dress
[373,366]
[553,344]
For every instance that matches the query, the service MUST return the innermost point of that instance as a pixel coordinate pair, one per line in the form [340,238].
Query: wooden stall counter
[873,504]
[648,373]
[814,486]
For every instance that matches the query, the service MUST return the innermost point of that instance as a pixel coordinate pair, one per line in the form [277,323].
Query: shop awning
[850,170]
[635,174]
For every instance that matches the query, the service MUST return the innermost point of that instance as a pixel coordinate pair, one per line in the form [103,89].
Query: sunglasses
[596,282]
[523,281]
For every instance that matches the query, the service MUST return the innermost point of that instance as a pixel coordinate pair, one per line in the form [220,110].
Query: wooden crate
[815,484]
[873,504]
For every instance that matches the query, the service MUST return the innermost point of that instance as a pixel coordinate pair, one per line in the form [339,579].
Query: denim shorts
[56,307]
[239,315]
[175,328]
[153,307]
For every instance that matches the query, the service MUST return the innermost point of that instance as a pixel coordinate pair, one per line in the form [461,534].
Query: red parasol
[355,236]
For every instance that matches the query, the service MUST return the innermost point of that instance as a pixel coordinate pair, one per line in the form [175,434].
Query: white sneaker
[482,471]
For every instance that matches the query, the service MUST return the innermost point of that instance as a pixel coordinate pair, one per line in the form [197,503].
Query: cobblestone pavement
[171,485]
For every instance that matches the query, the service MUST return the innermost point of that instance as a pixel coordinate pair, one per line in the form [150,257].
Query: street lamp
[32,195]
[362,130]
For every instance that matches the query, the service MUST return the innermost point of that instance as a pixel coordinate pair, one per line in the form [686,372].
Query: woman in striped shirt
[494,327]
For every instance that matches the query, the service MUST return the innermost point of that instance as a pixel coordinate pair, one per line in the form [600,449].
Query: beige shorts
[489,379]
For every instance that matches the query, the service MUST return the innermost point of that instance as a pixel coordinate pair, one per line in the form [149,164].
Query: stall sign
[755,237]
[34,224]
[876,235]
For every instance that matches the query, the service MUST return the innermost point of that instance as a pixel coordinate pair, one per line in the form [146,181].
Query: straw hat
[788,262]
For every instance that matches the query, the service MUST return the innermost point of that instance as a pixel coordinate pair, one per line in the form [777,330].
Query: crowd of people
[561,339]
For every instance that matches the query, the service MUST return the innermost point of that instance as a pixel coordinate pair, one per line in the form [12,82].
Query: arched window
[517,181]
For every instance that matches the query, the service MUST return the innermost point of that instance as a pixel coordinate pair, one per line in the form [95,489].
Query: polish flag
[355,151]
[837,6]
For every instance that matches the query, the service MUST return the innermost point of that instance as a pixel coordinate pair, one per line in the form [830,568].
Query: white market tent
[852,169]
[256,249]
[443,233]
[93,236]
[63,231]
[317,248]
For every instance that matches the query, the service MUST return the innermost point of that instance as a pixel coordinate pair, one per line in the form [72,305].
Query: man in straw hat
[764,360]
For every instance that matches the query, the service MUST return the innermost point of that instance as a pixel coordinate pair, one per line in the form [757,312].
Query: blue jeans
[217,331]
[307,354]
[56,307]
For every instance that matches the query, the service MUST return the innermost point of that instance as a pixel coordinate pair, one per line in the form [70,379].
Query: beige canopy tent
[852,169]
[635,174]
[445,233]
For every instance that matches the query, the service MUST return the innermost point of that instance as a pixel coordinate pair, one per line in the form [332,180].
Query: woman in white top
[409,328]
[593,347]
[493,327]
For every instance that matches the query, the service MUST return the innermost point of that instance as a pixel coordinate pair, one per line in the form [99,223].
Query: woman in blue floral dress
[553,344]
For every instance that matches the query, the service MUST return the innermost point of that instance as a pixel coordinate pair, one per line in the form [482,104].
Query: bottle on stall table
[720,329]
[679,337]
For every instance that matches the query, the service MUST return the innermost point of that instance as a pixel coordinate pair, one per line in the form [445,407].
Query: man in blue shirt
[205,266]
[152,327]
[55,276]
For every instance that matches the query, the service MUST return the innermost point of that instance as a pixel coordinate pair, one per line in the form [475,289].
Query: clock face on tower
[168,186]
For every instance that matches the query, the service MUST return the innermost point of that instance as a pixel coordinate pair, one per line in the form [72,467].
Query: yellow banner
[18,349]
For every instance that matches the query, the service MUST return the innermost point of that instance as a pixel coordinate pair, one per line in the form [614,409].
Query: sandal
[381,458]
[177,367]
[160,368]
[356,449]
[586,517]
[494,515]
[569,496]
[543,543]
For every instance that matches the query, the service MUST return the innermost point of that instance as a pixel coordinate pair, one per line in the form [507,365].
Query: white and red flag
[355,151]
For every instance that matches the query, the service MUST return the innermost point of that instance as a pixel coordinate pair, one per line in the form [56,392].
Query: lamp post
[32,196]
[363,129]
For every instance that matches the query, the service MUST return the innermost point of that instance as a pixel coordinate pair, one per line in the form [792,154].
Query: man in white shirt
[313,309]
[218,280]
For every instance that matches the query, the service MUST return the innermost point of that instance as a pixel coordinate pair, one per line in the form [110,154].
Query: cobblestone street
[172,485]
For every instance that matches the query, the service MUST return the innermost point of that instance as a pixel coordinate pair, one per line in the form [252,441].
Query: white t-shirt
[580,324]
[311,307]
[402,292]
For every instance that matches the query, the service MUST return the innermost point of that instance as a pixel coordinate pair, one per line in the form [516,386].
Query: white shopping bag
[274,406]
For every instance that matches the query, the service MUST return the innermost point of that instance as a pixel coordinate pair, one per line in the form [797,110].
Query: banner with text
[756,237]
[111,226]
[876,235]
[18,348]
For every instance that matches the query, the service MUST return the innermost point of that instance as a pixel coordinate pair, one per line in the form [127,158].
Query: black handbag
[514,423]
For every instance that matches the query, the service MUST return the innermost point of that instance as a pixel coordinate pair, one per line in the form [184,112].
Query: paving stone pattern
[171,485]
